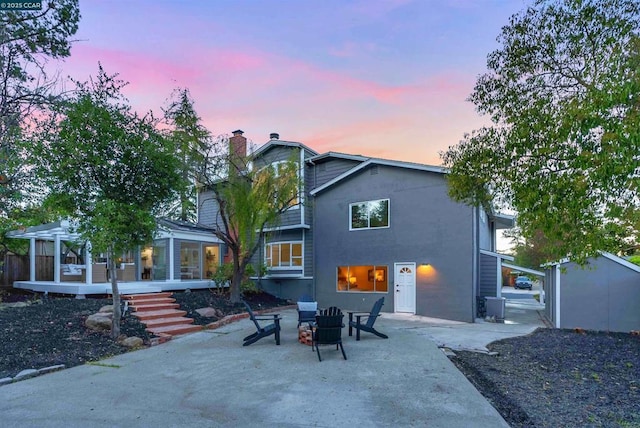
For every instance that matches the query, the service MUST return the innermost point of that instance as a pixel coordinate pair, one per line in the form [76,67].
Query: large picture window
[283,255]
[364,279]
[369,214]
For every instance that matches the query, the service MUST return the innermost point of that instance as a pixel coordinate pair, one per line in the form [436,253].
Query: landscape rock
[132,342]
[210,312]
[106,309]
[100,321]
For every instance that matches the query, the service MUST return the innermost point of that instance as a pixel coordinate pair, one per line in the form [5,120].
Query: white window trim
[282,268]
[351,228]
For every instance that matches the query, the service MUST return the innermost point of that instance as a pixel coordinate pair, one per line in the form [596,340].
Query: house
[366,228]
[603,295]
[183,255]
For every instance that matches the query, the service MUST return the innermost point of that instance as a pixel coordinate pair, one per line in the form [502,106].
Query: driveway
[522,316]
[208,379]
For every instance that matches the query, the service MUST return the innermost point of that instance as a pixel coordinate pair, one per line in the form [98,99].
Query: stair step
[139,303]
[154,307]
[175,329]
[147,296]
[163,313]
[161,322]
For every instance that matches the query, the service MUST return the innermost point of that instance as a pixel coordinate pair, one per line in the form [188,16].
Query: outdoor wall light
[425,264]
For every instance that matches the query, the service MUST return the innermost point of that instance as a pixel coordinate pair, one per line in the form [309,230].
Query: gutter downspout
[557,296]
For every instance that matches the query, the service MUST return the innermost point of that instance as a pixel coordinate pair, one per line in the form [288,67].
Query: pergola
[62,230]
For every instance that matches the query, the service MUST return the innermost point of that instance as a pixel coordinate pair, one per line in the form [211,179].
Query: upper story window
[283,254]
[295,200]
[369,214]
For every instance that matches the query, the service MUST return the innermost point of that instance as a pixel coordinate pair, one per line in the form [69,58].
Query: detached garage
[603,295]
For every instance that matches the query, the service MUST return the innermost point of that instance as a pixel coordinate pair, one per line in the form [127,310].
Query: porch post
[56,258]
[32,259]
[171,273]
[88,263]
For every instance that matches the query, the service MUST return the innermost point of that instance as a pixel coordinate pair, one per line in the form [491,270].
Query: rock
[209,312]
[99,322]
[132,342]
[106,308]
[6,380]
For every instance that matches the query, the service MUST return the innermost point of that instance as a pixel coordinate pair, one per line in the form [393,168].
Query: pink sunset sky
[379,78]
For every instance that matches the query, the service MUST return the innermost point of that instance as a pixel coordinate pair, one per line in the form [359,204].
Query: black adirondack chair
[328,330]
[307,309]
[370,318]
[265,331]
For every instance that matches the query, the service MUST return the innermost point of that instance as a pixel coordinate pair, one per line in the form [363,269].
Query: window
[369,215]
[277,167]
[283,255]
[363,279]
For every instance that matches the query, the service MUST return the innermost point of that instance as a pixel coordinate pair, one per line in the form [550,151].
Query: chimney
[238,144]
[274,136]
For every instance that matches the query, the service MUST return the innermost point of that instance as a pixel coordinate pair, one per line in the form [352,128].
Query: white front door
[405,287]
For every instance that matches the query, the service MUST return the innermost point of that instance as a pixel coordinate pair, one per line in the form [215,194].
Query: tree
[28,40]
[110,169]
[563,94]
[249,197]
[190,138]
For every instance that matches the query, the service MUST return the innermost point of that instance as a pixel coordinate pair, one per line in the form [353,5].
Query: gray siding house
[367,228]
[604,295]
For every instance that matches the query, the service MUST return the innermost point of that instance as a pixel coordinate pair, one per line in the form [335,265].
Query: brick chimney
[238,144]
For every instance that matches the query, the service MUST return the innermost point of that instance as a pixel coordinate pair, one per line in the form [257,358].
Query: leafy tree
[190,138]
[28,40]
[110,169]
[563,94]
[531,252]
[248,199]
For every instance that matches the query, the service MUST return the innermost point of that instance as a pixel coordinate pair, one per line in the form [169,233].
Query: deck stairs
[160,313]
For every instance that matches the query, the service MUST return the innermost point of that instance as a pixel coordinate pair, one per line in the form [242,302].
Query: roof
[498,255]
[67,231]
[523,269]
[329,155]
[384,162]
[184,226]
[503,221]
[612,257]
[275,143]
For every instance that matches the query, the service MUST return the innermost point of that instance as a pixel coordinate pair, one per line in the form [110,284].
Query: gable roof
[384,162]
[274,143]
[612,257]
[336,155]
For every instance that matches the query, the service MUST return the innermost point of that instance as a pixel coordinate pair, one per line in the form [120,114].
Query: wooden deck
[81,289]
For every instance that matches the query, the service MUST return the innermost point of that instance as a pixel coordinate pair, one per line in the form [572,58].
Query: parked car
[524,282]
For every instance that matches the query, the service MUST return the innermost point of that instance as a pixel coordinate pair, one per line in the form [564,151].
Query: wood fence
[16,268]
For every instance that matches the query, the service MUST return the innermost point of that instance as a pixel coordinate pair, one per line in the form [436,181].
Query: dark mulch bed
[51,331]
[560,378]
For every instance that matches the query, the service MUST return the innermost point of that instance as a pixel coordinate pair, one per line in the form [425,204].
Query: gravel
[47,332]
[560,378]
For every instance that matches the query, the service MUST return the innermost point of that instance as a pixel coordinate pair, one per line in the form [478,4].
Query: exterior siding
[326,171]
[602,296]
[207,209]
[426,225]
